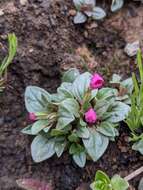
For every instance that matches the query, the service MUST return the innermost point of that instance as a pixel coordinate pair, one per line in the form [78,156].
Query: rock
[72,12]
[91,26]
[10,8]
[1,12]
[132,48]
[23,2]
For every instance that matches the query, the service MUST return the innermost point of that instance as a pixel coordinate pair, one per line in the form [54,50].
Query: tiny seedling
[103,182]
[88,9]
[85,9]
[12,40]
[135,116]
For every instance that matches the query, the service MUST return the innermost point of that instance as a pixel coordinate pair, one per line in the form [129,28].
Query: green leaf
[101,107]
[82,123]
[27,130]
[60,146]
[78,3]
[68,111]
[140,65]
[119,183]
[116,5]
[98,13]
[83,132]
[38,126]
[81,85]
[138,146]
[42,148]
[76,148]
[107,129]
[58,132]
[70,75]
[100,175]
[136,86]
[105,93]
[73,137]
[65,90]
[36,99]
[118,112]
[128,83]
[93,93]
[141,118]
[12,40]
[116,79]
[96,144]
[80,159]
[79,18]
[101,182]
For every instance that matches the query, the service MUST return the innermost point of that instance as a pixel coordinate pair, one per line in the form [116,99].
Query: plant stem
[134,174]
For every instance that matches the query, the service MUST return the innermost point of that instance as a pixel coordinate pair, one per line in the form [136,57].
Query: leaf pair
[87,8]
[103,182]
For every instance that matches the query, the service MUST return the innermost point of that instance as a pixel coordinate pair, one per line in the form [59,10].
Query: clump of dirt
[49,42]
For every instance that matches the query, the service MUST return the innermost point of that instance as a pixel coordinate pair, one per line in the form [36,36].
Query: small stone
[132,48]
[1,12]
[85,34]
[31,50]
[91,26]
[10,8]
[23,2]
[72,12]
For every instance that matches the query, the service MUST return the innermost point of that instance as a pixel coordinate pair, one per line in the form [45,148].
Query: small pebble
[132,48]
[23,2]
[1,12]
[72,12]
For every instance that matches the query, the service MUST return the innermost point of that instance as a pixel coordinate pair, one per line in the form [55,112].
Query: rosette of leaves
[60,125]
[135,116]
[12,41]
[87,8]
[103,182]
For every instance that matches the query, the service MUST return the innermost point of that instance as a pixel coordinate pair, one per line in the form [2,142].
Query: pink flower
[90,116]
[32,117]
[96,81]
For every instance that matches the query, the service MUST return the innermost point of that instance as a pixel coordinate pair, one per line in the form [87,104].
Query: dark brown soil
[47,43]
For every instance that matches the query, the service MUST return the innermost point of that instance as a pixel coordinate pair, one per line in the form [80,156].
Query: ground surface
[49,42]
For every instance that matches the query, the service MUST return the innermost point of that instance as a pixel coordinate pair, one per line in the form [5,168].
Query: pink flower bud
[90,116]
[32,116]
[96,81]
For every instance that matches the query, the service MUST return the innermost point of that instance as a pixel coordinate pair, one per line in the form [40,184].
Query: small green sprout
[12,40]
[103,182]
[135,116]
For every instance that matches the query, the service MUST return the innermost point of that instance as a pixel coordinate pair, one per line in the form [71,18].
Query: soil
[49,43]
